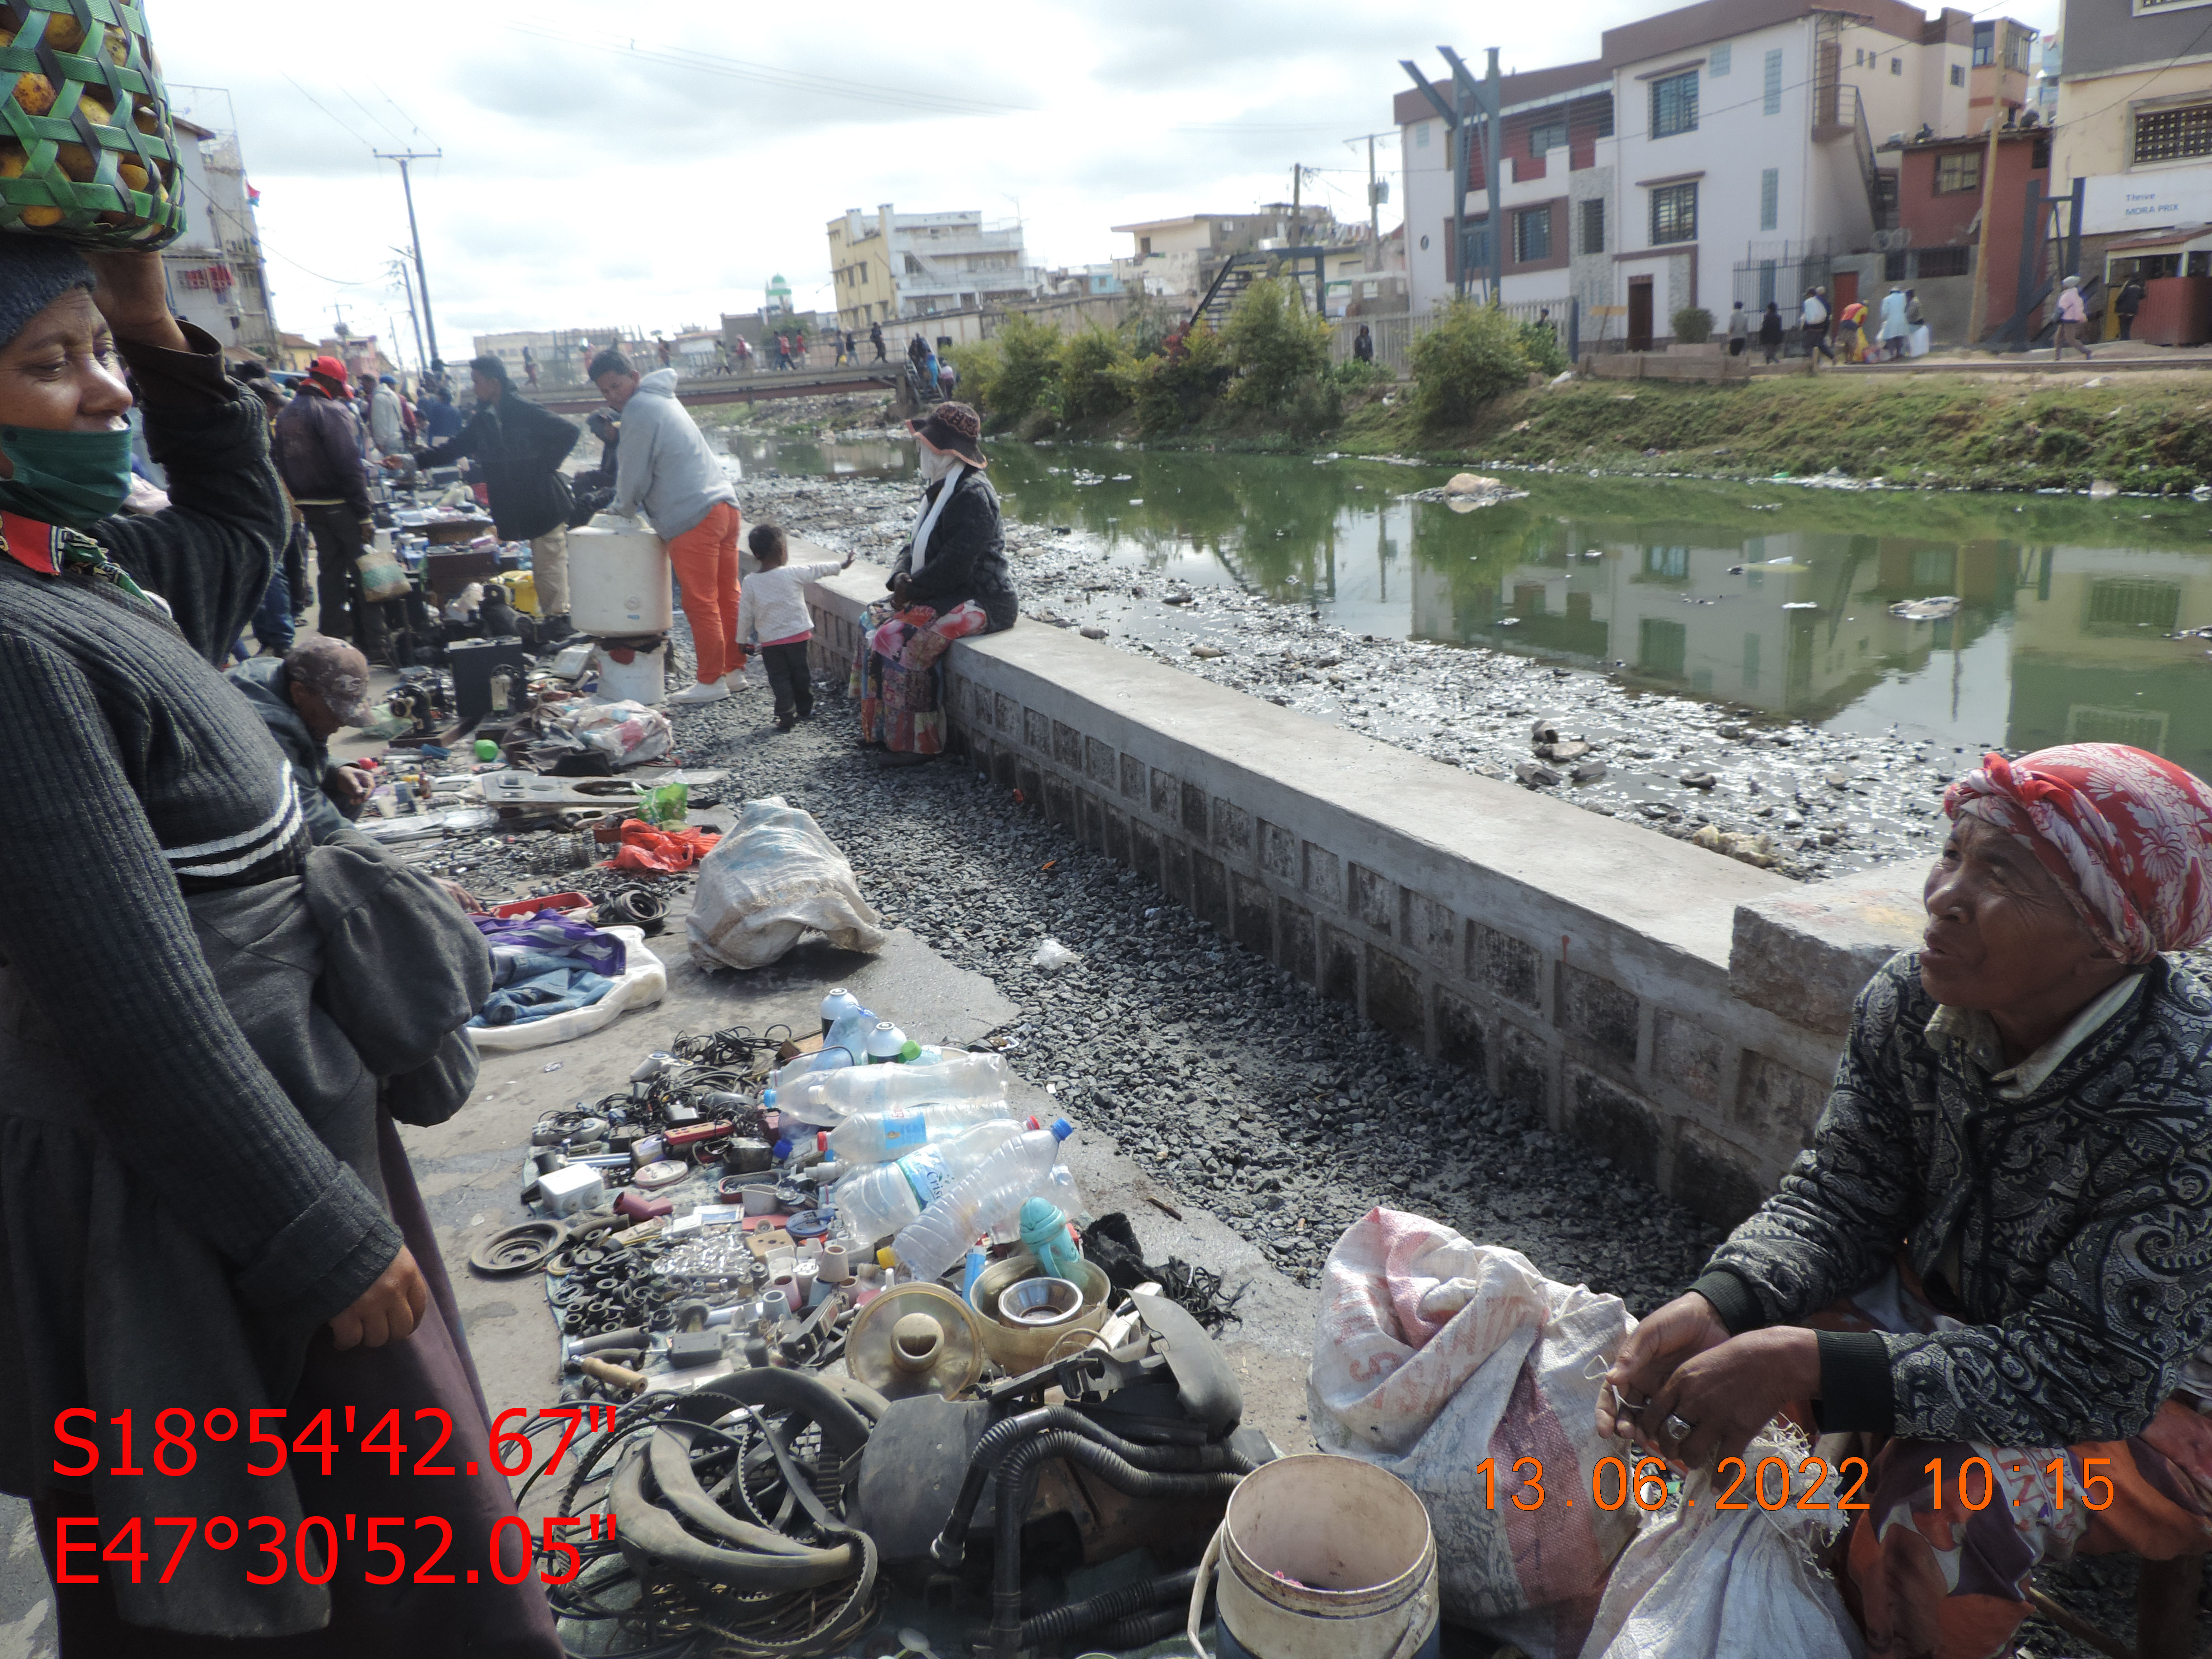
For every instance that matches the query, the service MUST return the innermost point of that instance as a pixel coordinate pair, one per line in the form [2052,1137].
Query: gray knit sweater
[136,774]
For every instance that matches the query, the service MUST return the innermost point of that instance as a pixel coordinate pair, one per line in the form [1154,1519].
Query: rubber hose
[1065,1621]
[1141,1629]
[950,1547]
[647,1530]
[1014,1498]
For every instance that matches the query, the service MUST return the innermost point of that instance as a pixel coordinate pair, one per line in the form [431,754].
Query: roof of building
[1185,219]
[1687,27]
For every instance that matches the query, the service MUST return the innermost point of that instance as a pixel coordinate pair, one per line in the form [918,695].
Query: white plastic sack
[627,733]
[1703,1583]
[776,876]
[1917,341]
[1433,1354]
[644,982]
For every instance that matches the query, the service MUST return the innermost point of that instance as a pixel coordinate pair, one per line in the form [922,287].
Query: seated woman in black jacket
[950,582]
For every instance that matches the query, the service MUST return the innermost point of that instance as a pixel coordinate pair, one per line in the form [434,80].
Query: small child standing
[772,608]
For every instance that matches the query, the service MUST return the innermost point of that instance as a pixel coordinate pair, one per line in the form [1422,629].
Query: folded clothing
[545,964]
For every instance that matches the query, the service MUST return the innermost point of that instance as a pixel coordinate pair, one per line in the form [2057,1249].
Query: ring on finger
[1678,1430]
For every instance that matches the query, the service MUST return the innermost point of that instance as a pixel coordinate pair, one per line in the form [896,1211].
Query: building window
[1421,135]
[1602,113]
[1958,75]
[1770,198]
[2168,135]
[1549,133]
[1675,214]
[1532,235]
[1958,171]
[1893,267]
[1675,105]
[1942,262]
[1773,87]
[1594,225]
[1897,66]
[1717,60]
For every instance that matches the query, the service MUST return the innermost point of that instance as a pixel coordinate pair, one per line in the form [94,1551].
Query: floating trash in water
[1930,610]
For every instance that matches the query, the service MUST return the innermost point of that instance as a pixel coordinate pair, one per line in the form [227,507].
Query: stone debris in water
[1470,706]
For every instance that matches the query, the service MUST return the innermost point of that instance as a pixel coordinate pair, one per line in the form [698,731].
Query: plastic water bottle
[1061,1191]
[880,1137]
[873,1204]
[850,1032]
[825,1059]
[886,1044]
[835,1006]
[830,1097]
[991,1193]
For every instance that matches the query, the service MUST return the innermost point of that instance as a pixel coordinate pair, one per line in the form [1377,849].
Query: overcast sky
[659,180]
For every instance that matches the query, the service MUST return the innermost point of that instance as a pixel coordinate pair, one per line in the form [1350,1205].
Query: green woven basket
[88,153]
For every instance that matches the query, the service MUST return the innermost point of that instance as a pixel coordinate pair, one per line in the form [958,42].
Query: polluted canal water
[1799,669]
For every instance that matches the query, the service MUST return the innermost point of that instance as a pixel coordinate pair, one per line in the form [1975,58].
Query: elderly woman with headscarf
[950,582]
[208,1232]
[1995,1260]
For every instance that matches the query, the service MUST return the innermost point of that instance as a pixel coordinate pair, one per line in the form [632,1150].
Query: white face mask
[936,463]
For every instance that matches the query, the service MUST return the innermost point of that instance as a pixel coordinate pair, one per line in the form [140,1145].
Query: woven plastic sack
[1703,1583]
[87,151]
[1433,1354]
[774,878]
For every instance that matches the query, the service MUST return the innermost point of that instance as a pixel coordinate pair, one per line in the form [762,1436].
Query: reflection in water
[1775,598]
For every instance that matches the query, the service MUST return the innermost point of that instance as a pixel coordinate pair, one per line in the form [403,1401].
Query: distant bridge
[755,387]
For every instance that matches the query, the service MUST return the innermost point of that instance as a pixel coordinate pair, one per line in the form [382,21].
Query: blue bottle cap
[768,1099]
[780,1150]
[1062,1127]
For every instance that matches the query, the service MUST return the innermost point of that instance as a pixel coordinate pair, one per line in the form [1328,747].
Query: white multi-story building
[917,264]
[214,272]
[1718,152]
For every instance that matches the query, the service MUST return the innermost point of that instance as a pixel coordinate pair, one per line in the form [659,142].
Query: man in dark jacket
[2128,301]
[521,447]
[319,452]
[304,698]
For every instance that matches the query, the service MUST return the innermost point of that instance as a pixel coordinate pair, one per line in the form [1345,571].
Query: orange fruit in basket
[64,33]
[35,94]
[13,161]
[133,175]
[97,110]
[76,160]
[39,217]
[146,117]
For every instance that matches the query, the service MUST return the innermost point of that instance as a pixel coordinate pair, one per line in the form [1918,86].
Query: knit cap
[35,272]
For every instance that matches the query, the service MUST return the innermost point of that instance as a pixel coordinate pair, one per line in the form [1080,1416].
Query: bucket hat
[956,429]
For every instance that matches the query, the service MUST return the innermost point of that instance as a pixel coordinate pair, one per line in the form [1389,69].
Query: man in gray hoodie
[665,468]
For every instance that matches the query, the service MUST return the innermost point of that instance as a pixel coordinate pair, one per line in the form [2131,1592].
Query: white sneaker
[702,691]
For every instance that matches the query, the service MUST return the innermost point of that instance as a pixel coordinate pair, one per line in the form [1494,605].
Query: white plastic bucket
[619,582]
[1357,1560]
[643,678]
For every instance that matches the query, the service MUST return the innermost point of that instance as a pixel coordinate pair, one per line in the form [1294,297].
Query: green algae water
[1965,620]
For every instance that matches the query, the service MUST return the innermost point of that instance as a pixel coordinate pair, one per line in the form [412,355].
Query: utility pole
[421,279]
[407,283]
[1374,210]
[338,308]
[1977,309]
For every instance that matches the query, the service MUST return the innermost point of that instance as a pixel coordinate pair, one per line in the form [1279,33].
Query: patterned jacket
[2081,1215]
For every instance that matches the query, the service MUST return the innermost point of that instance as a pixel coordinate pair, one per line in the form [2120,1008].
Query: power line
[416,126]
[769,74]
[319,104]
[372,115]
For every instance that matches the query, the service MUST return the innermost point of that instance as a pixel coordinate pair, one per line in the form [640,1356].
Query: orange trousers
[705,559]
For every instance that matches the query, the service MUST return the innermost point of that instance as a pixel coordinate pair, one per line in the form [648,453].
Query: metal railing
[1394,334]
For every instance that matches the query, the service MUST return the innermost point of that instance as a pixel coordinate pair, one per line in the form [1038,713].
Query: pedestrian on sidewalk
[773,609]
[319,454]
[2071,317]
[852,351]
[1362,345]
[665,468]
[530,367]
[203,1202]
[1813,331]
[520,445]
[441,422]
[951,582]
[1770,332]
[876,339]
[1916,339]
[1739,330]
[1894,327]
[2127,302]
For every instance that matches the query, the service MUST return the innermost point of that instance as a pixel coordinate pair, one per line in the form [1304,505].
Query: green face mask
[72,478]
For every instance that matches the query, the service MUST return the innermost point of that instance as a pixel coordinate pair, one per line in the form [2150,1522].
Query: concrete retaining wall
[1582,966]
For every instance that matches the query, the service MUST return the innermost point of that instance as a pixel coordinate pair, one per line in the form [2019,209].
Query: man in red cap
[319,452]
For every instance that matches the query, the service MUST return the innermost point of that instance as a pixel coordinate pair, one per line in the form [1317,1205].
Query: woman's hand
[1685,1326]
[132,298]
[388,1311]
[902,585]
[1727,1394]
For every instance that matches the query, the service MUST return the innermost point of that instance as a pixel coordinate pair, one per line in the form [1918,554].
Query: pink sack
[1433,1354]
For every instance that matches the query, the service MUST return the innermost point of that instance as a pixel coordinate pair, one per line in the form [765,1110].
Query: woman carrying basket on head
[950,582]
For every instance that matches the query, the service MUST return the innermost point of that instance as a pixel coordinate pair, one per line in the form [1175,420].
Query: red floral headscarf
[2129,836]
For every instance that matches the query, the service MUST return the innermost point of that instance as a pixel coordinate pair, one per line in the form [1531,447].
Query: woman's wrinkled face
[2000,933]
[60,374]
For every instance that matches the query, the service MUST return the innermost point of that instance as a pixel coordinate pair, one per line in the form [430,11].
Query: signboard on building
[2123,202]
